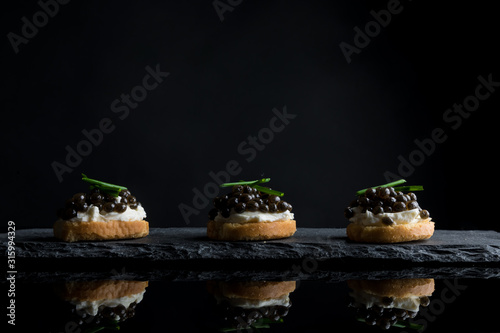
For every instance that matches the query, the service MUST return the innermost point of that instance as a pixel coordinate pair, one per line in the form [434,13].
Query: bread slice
[100,289]
[394,287]
[391,234]
[252,290]
[251,231]
[72,231]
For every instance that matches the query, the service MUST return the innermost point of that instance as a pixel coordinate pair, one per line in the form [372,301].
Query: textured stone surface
[191,244]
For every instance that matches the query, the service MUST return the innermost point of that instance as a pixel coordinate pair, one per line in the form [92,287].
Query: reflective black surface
[455,305]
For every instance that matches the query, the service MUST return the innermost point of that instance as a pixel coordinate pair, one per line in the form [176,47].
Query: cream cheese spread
[93,215]
[249,217]
[92,307]
[256,303]
[410,303]
[370,219]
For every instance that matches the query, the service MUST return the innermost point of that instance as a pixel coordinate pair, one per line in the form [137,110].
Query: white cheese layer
[249,217]
[255,303]
[92,307]
[411,303]
[93,215]
[370,219]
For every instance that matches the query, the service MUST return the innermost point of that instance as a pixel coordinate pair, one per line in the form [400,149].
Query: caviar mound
[81,202]
[247,214]
[247,198]
[385,200]
[385,215]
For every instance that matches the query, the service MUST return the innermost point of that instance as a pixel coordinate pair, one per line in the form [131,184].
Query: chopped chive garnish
[107,188]
[412,188]
[268,190]
[254,184]
[246,182]
[398,188]
[397,182]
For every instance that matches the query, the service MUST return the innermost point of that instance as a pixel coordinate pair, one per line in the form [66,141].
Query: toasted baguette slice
[99,290]
[252,231]
[390,234]
[394,287]
[72,231]
[253,290]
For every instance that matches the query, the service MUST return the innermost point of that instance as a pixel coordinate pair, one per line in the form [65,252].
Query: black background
[353,120]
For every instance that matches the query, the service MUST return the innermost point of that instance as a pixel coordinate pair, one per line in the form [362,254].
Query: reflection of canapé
[251,303]
[99,301]
[389,302]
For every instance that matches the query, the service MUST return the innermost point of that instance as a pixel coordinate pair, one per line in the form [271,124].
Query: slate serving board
[190,245]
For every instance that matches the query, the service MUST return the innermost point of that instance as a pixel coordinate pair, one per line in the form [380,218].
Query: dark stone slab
[191,247]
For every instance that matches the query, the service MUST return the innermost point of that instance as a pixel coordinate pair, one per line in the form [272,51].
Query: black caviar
[246,198]
[230,316]
[80,202]
[385,200]
[386,317]
[105,314]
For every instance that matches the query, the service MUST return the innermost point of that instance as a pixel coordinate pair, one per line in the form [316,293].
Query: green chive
[406,188]
[268,190]
[108,188]
[410,188]
[246,182]
[397,182]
